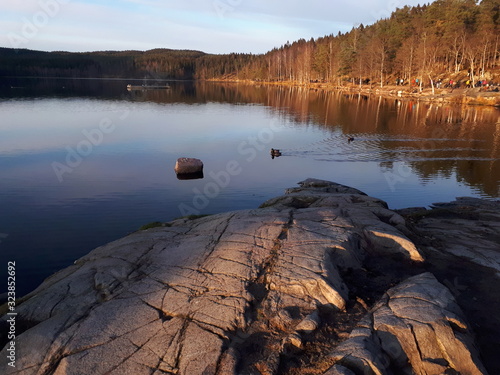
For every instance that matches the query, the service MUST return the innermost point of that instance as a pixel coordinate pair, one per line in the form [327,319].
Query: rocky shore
[459,96]
[322,280]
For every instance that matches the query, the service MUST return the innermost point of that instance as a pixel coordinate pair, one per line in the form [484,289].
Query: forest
[152,64]
[447,38]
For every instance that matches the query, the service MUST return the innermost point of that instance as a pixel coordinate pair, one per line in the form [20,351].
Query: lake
[84,162]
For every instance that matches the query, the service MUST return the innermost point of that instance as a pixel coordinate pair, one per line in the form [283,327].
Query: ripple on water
[373,148]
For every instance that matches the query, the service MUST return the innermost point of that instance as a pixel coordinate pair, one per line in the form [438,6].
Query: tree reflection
[434,139]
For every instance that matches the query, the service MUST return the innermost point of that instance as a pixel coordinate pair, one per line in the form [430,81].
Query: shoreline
[460,96]
[457,96]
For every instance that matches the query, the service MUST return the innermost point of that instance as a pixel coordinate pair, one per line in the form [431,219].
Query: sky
[212,26]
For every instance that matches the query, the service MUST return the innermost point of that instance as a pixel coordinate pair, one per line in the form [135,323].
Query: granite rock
[237,292]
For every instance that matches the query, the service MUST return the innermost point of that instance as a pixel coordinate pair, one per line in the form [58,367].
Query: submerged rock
[250,292]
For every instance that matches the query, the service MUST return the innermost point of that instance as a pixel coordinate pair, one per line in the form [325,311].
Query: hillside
[456,39]
[447,40]
[157,63]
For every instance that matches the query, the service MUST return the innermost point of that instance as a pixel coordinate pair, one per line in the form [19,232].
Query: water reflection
[433,139]
[190,176]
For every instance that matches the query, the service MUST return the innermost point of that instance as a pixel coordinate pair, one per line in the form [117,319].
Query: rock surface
[416,328]
[315,281]
[461,240]
[468,228]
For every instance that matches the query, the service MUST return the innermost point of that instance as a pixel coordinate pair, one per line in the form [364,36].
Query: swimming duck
[350,139]
[275,153]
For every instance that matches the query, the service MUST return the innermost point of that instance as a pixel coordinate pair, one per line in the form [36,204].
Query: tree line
[415,44]
[157,63]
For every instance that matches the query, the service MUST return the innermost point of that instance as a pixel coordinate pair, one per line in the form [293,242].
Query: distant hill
[156,63]
[457,39]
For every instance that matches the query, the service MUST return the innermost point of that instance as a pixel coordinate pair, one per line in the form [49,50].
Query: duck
[275,152]
[350,139]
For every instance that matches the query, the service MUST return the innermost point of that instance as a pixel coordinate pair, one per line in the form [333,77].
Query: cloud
[26,6]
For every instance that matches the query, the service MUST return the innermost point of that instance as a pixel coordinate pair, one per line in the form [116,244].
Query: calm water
[84,162]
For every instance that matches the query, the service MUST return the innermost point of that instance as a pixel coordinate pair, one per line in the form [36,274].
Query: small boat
[147,87]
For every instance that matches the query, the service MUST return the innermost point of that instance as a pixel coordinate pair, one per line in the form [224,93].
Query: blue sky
[213,26]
